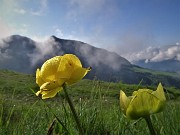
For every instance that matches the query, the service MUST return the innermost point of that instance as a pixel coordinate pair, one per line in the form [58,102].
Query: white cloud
[35,52]
[153,54]
[170,53]
[72,15]
[88,4]
[20,11]
[86,8]
[178,57]
[9,7]
[5,29]
[59,33]
[43,48]
[39,38]
[41,9]
[22,31]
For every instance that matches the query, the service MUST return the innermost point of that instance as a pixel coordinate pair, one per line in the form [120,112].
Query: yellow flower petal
[143,104]
[57,71]
[141,90]
[134,93]
[49,69]
[68,64]
[50,89]
[37,93]
[39,79]
[77,75]
[159,93]
[73,59]
[51,85]
[65,69]
[51,93]
[124,101]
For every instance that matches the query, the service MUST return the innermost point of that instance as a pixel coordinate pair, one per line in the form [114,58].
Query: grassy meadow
[96,102]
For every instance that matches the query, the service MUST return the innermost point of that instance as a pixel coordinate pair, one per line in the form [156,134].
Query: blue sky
[123,26]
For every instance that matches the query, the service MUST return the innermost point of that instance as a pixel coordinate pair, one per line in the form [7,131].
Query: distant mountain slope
[165,65]
[14,53]
[22,54]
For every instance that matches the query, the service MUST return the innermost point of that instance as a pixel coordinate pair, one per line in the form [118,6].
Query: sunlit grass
[96,102]
[98,116]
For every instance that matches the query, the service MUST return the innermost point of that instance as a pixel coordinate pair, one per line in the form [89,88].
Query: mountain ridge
[23,54]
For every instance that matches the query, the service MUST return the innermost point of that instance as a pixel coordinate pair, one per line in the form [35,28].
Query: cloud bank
[43,49]
[153,54]
[23,54]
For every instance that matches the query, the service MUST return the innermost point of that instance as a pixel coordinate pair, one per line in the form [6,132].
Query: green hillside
[170,74]
[22,86]
[153,77]
[106,65]
[97,102]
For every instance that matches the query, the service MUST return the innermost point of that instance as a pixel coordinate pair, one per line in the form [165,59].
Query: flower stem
[73,110]
[150,126]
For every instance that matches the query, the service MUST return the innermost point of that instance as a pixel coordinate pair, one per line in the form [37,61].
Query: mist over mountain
[166,58]
[22,54]
[15,53]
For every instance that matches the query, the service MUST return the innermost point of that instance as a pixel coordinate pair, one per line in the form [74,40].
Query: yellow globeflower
[143,102]
[57,71]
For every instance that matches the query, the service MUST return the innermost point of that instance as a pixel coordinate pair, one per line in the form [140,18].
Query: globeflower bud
[143,102]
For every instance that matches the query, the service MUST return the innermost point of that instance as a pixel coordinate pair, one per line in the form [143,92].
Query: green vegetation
[152,77]
[96,102]
[172,74]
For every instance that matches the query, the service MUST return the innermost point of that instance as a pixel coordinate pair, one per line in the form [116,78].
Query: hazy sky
[123,26]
